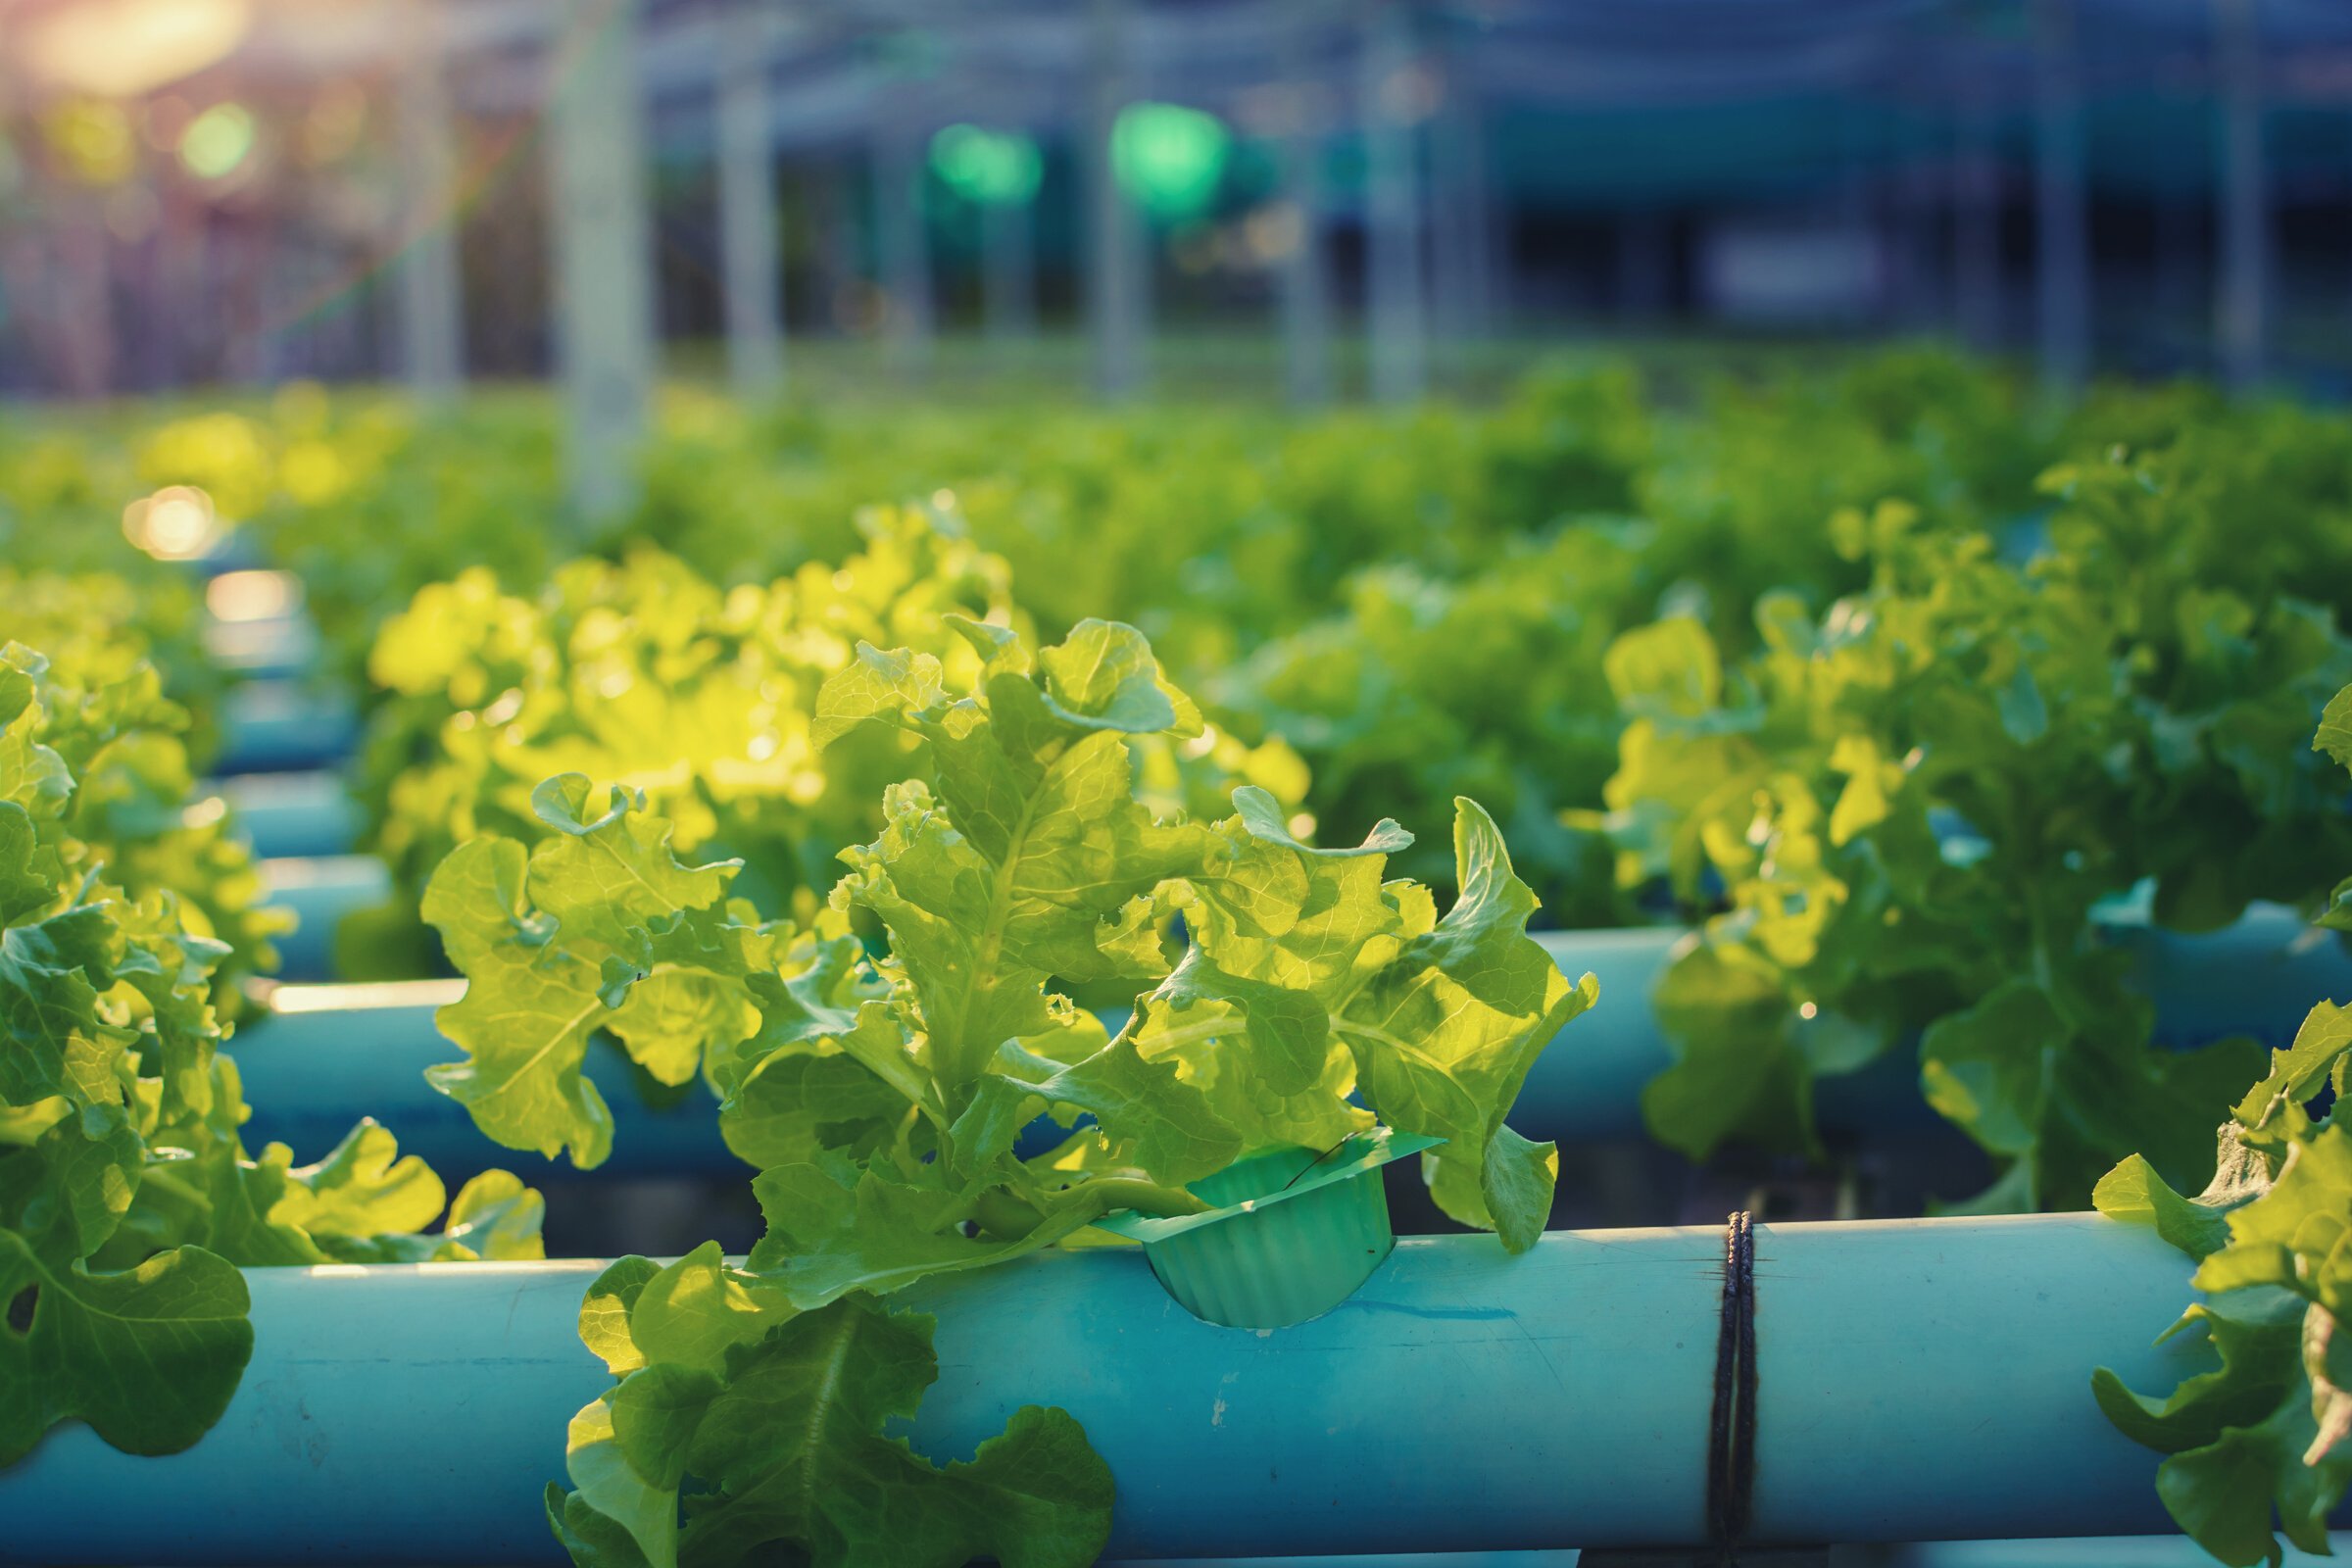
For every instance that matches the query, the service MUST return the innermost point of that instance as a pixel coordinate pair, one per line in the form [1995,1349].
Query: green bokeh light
[218,140]
[993,168]
[1169,158]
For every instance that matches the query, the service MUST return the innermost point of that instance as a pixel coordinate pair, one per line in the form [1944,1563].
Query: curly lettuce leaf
[779,1419]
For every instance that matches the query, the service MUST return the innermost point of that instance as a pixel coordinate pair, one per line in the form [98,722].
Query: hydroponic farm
[1320,783]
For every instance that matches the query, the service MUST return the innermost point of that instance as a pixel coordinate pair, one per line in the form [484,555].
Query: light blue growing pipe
[283,726]
[266,646]
[321,891]
[2258,976]
[288,814]
[330,1054]
[1917,1380]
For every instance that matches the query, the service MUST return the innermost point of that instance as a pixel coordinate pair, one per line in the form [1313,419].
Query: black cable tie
[1731,1422]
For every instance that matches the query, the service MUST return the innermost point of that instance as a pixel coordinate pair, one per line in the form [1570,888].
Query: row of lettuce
[1880,679]
[128,1197]
[882,1101]
[1841,668]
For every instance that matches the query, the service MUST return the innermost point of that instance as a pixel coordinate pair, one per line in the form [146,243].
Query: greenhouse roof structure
[1688,85]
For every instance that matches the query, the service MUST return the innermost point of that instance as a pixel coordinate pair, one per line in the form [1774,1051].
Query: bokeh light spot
[218,140]
[990,167]
[1169,158]
[93,141]
[242,596]
[175,523]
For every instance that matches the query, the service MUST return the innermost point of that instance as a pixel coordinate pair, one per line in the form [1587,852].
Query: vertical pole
[603,248]
[1393,205]
[430,299]
[1305,284]
[1115,285]
[80,299]
[2240,305]
[1304,281]
[833,226]
[903,238]
[1462,219]
[1976,221]
[2062,241]
[747,204]
[1008,269]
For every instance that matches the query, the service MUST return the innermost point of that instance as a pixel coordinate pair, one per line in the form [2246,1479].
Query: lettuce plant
[101,625]
[103,712]
[2268,1426]
[1910,808]
[646,674]
[1488,685]
[649,675]
[127,1196]
[1287,995]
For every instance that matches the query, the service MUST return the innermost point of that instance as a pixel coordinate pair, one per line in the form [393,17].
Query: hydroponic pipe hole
[19,1310]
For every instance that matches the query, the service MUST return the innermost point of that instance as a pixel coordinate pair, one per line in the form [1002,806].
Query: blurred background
[1309,199]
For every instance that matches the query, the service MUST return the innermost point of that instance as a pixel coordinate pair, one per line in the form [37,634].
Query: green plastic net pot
[1295,1233]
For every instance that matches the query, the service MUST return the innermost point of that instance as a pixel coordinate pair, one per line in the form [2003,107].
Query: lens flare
[126,48]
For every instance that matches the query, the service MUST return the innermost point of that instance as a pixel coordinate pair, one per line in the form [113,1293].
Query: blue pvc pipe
[328,1054]
[283,726]
[283,815]
[321,891]
[2110,1552]
[331,1054]
[2257,977]
[1918,1380]
[272,648]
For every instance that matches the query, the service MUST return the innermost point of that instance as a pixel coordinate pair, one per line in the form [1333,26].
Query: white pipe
[1117,303]
[1395,306]
[603,249]
[1462,233]
[2062,240]
[1304,278]
[2240,306]
[903,235]
[747,205]
[1916,1380]
[431,298]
